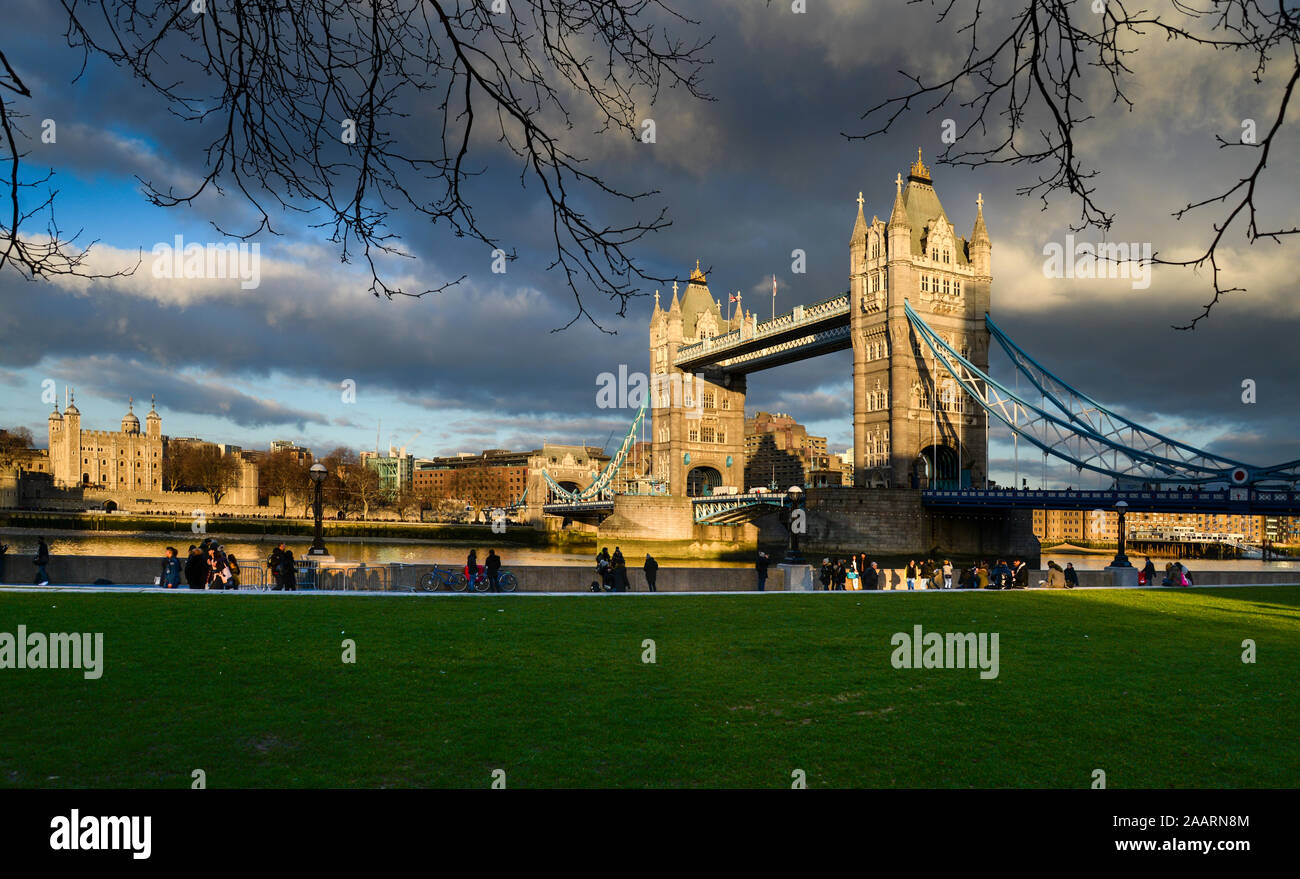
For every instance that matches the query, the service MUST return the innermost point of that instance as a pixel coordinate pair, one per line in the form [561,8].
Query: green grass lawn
[1148,686]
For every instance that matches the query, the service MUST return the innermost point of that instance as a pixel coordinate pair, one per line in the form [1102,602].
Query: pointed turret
[981,233]
[676,306]
[153,421]
[859,225]
[981,249]
[898,216]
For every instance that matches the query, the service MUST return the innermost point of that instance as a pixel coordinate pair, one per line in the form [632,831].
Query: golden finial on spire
[919,171]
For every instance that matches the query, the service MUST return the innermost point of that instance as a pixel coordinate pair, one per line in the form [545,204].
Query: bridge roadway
[734,509]
[1243,501]
[803,332]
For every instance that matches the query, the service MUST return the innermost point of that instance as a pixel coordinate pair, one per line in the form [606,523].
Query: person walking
[825,575]
[651,572]
[41,560]
[1071,576]
[871,577]
[171,569]
[196,568]
[911,575]
[493,566]
[761,567]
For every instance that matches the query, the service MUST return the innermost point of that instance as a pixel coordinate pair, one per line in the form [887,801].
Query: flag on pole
[774,297]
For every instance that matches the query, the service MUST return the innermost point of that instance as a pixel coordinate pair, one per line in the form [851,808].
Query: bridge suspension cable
[603,485]
[1079,430]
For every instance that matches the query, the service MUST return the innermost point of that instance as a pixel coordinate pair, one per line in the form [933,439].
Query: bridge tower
[912,425]
[698,420]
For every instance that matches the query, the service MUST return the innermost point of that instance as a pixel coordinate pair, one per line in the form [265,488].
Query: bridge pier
[892,523]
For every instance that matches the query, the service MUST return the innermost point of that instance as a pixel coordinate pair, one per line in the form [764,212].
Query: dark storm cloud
[747,179]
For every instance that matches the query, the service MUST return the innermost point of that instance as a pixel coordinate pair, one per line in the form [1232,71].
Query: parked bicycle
[439,578]
[456,581]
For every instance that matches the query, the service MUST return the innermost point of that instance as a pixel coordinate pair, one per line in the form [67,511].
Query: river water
[22,545]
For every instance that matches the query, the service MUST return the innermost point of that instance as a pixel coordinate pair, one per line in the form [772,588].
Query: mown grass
[1148,686]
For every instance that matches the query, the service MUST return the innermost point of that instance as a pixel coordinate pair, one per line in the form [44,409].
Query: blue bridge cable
[1168,468]
[1019,357]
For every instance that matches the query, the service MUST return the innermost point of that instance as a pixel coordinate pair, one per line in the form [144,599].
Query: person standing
[4,548]
[947,574]
[871,577]
[618,572]
[761,567]
[911,575]
[196,568]
[651,572]
[1021,575]
[232,564]
[273,565]
[1149,573]
[493,565]
[826,574]
[288,576]
[41,560]
[471,569]
[171,570]
[603,565]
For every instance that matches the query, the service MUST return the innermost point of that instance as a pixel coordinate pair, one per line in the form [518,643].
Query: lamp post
[1121,560]
[318,474]
[795,523]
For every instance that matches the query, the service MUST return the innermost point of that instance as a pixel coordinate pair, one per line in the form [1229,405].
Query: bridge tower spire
[911,426]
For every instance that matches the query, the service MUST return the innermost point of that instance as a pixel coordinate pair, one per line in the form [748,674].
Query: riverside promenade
[357,577]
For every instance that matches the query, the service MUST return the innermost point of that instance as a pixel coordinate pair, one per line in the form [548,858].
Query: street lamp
[318,474]
[795,522]
[1121,560]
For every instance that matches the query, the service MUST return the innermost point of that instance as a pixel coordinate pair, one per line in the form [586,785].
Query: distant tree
[337,464]
[362,483]
[280,473]
[480,487]
[213,472]
[409,502]
[15,445]
[178,467]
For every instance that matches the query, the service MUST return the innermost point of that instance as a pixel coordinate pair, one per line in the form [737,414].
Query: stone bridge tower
[912,424]
[698,420]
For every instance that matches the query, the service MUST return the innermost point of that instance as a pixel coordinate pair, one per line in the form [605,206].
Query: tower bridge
[916,317]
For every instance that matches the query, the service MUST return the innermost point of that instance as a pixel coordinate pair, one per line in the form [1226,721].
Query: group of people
[1176,574]
[856,572]
[208,566]
[491,569]
[849,574]
[612,571]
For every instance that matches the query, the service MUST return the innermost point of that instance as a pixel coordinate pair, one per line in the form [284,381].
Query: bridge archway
[701,481]
[937,467]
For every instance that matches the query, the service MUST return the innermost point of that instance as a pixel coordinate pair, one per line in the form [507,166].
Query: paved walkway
[75,588]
